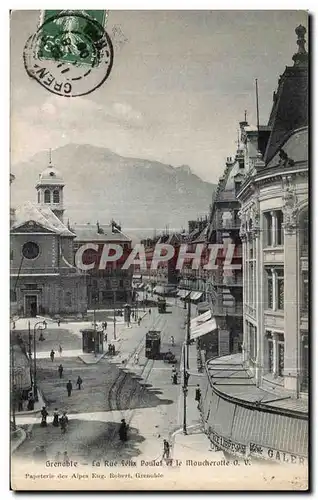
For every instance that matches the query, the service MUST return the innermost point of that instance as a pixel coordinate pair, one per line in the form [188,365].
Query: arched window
[39,196]
[56,196]
[47,196]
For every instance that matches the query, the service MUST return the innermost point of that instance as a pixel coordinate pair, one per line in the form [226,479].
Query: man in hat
[123,430]
[69,388]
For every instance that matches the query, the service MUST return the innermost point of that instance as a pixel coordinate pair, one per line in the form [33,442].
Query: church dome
[50,176]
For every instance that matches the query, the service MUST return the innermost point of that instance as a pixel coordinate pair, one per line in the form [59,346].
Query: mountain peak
[102,185]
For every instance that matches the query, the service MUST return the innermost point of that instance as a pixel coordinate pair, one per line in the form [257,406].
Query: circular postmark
[70,54]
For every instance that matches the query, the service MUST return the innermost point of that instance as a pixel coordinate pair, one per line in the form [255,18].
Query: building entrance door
[31,306]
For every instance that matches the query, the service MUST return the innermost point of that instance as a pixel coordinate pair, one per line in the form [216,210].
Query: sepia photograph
[159,241]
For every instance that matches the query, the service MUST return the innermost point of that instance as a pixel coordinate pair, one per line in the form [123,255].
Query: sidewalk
[194,445]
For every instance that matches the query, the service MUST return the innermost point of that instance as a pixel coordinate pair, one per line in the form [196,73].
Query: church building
[43,278]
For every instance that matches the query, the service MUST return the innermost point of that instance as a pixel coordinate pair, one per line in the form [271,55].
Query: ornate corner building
[256,403]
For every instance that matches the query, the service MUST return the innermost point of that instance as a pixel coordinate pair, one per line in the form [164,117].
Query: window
[275,349]
[304,363]
[269,302]
[304,292]
[268,223]
[11,254]
[121,283]
[56,196]
[280,288]
[279,227]
[241,163]
[270,352]
[280,354]
[39,196]
[68,299]
[252,342]
[275,288]
[303,232]
[237,186]
[13,296]
[47,196]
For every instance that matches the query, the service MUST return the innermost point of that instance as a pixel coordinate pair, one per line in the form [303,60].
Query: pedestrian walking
[58,457]
[174,370]
[44,415]
[172,340]
[65,457]
[139,321]
[60,370]
[69,388]
[63,422]
[52,354]
[186,377]
[79,382]
[55,418]
[149,311]
[166,450]
[41,338]
[198,395]
[123,430]
[58,322]
[30,402]
[60,350]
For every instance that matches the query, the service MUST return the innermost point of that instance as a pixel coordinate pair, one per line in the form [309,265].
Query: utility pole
[114,296]
[95,336]
[185,392]
[188,330]
[35,389]
[13,391]
[30,352]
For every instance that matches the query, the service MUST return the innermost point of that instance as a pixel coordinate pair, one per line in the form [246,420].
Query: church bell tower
[50,189]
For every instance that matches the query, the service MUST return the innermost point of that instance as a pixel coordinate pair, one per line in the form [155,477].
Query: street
[113,389]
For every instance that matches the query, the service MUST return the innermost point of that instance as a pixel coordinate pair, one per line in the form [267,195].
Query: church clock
[30,250]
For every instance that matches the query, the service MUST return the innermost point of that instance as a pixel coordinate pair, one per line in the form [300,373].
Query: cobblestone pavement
[113,389]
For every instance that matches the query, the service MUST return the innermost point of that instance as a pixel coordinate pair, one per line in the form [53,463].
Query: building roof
[50,176]
[295,147]
[98,232]
[290,102]
[40,215]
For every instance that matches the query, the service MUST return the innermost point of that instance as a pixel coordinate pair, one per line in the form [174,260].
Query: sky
[180,83]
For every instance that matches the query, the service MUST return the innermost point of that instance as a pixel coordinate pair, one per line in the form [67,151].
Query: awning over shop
[203,329]
[137,277]
[203,306]
[195,322]
[196,295]
[183,294]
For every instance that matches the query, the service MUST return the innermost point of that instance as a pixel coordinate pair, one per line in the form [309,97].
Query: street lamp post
[185,391]
[35,389]
[188,330]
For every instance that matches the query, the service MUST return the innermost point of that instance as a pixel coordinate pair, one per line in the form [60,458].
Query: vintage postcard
[159,250]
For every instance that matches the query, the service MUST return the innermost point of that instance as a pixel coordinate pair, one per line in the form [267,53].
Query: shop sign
[227,444]
[257,450]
